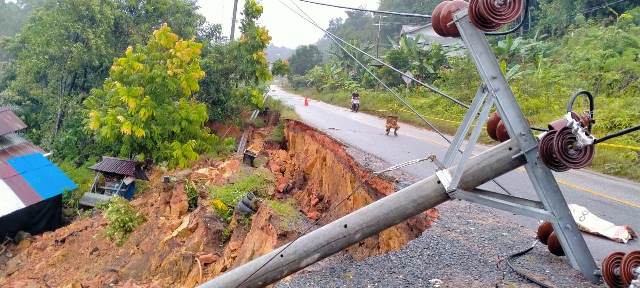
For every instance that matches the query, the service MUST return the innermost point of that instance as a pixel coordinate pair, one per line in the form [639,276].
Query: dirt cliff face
[180,248]
[319,173]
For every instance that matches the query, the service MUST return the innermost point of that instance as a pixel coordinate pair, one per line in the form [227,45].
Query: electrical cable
[331,209]
[617,134]
[408,105]
[603,6]
[519,271]
[372,11]
[434,89]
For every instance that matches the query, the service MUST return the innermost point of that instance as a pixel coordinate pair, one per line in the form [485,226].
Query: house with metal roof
[114,176]
[31,186]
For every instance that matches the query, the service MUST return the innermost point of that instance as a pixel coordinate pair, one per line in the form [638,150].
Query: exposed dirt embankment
[319,173]
[181,247]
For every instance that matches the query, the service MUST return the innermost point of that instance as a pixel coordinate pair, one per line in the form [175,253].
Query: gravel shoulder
[465,247]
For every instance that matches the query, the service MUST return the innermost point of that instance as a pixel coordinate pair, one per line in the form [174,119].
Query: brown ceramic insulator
[547,152]
[435,18]
[492,124]
[501,132]
[630,263]
[479,20]
[501,11]
[585,120]
[490,15]
[562,122]
[557,124]
[554,245]
[611,270]
[567,151]
[446,18]
[544,230]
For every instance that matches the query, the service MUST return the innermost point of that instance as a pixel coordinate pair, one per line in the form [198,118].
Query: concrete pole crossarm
[367,221]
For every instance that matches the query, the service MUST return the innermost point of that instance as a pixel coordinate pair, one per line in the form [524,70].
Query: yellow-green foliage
[146,105]
[123,219]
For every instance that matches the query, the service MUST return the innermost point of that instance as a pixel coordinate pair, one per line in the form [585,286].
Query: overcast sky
[286,28]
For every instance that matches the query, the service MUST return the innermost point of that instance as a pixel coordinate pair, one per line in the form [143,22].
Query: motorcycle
[355,105]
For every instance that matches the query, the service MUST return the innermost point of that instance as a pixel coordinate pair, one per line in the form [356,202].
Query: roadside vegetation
[597,52]
[135,80]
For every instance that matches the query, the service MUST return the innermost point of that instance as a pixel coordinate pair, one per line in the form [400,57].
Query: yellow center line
[522,170]
[560,181]
[599,194]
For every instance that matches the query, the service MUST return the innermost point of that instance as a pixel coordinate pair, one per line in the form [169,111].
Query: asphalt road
[614,199]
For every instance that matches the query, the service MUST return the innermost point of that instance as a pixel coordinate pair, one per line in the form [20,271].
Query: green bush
[192,194]
[123,219]
[82,176]
[224,198]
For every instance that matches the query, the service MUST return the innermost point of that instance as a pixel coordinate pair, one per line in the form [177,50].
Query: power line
[372,11]
[408,105]
[430,87]
[603,6]
[394,93]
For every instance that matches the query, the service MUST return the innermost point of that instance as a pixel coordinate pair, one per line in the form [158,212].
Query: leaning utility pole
[367,221]
[233,20]
[457,178]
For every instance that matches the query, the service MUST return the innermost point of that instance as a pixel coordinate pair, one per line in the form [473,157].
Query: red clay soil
[318,172]
[180,248]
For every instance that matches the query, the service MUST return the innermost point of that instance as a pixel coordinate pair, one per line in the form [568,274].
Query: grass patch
[224,198]
[192,194]
[447,117]
[286,210]
[286,111]
[277,135]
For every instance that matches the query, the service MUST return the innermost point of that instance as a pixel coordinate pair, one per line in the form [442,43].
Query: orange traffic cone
[306,101]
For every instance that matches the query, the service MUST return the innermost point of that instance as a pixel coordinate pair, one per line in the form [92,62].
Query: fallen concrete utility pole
[368,221]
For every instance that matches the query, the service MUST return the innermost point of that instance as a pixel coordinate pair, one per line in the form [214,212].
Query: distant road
[614,199]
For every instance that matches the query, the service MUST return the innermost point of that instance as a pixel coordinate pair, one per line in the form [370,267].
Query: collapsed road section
[193,227]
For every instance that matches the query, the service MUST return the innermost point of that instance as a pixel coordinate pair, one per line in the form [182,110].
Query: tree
[237,72]
[146,106]
[66,48]
[305,58]
[280,68]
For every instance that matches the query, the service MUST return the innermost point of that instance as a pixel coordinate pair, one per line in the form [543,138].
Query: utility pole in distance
[233,20]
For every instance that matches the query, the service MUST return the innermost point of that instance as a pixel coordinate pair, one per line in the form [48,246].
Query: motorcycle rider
[355,101]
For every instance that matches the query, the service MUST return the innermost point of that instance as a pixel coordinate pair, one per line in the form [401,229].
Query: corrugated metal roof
[29,179]
[121,167]
[12,145]
[9,122]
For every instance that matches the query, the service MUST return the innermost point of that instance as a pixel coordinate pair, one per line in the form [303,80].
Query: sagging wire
[519,271]
[333,37]
[590,98]
[512,30]
[372,11]
[331,209]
